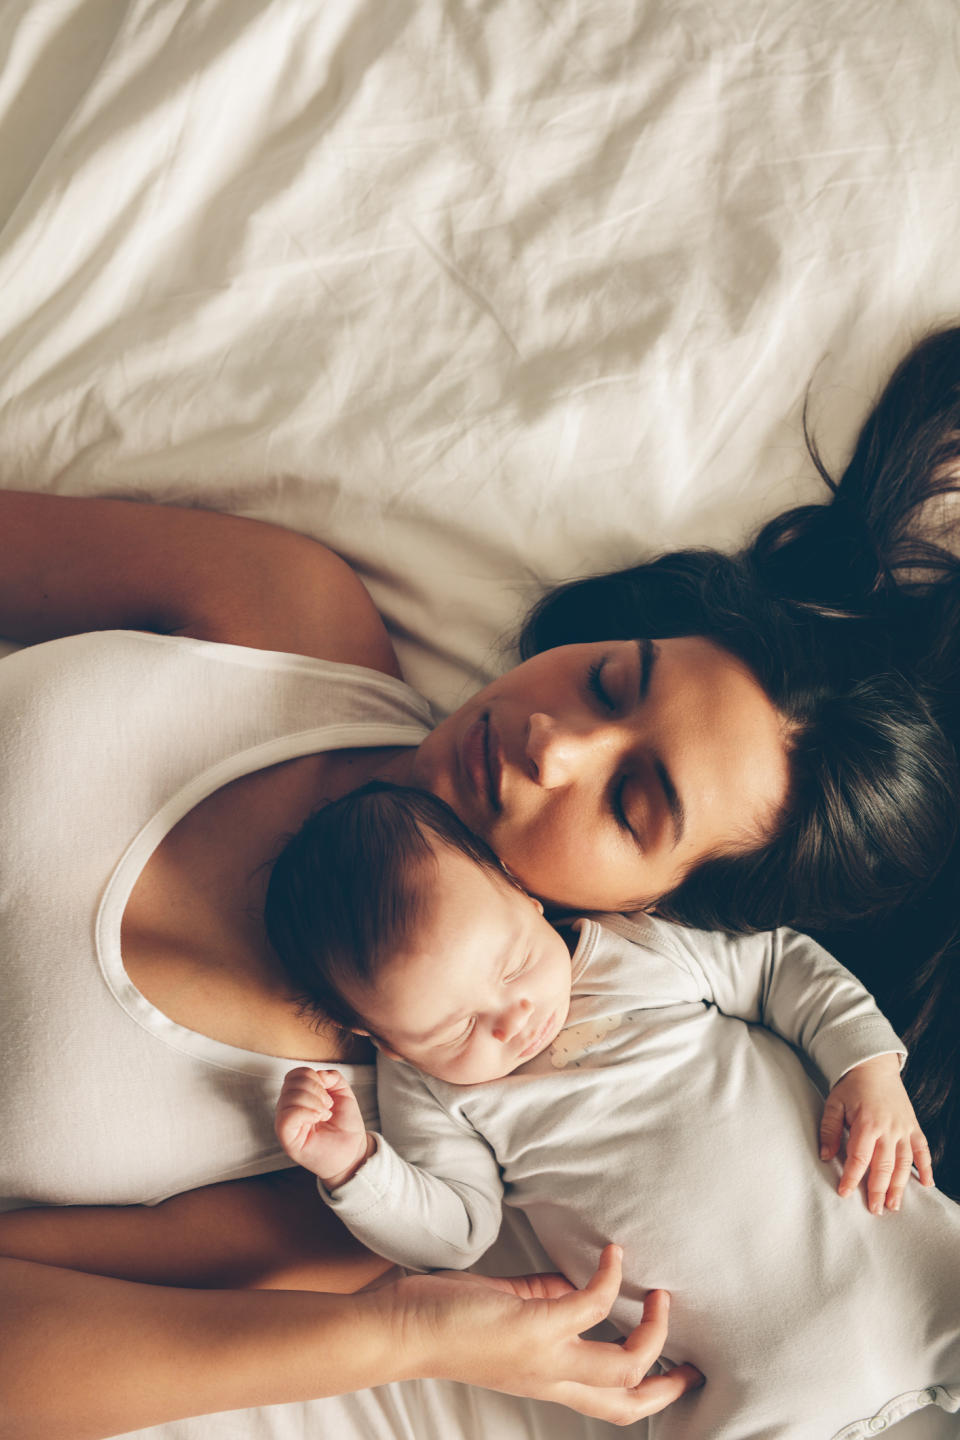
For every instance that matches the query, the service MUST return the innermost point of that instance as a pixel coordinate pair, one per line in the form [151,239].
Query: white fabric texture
[656,1090]
[484,296]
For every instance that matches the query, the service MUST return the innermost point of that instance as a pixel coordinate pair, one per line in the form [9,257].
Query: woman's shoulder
[79,564]
[346,690]
[105,658]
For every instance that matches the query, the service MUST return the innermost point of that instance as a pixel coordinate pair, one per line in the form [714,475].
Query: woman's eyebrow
[674,804]
[649,653]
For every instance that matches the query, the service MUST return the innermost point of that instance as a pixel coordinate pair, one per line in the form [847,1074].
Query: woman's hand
[523,1336]
[885,1139]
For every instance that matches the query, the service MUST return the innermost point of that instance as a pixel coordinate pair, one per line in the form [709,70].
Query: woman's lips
[480,760]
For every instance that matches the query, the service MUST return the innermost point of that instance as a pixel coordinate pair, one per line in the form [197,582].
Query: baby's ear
[378,1043]
[518,885]
[385,1049]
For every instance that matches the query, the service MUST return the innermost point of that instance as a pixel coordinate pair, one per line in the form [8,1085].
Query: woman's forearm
[272,1232]
[83,1356]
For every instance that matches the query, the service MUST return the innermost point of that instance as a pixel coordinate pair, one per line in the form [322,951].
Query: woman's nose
[512,1021]
[556,751]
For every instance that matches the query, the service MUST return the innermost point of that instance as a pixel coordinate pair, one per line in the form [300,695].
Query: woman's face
[602,773]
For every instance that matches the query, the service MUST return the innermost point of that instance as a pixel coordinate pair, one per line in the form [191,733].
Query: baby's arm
[790,984]
[439,1208]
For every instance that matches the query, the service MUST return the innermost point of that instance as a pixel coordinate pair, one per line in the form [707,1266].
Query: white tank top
[106,741]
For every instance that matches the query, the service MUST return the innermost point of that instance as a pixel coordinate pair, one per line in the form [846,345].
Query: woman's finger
[600,1363]
[652,1330]
[625,1406]
[587,1307]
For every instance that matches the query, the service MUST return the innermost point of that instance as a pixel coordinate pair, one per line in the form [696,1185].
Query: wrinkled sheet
[485,295]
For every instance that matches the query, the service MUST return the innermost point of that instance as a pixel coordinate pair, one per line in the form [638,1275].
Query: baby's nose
[512,1021]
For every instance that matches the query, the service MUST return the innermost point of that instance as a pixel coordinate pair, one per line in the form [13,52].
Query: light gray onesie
[667,1118]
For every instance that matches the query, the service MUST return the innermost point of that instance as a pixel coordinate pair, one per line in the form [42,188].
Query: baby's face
[484,987]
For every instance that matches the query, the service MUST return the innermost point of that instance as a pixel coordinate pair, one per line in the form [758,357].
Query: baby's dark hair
[349,889]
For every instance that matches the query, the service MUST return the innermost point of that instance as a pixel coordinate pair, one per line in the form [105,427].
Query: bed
[485,295]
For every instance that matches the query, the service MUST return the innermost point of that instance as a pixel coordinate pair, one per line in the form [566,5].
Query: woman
[170,1050]
[683,771]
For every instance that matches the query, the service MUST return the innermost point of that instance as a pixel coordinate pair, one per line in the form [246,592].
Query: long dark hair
[849,615]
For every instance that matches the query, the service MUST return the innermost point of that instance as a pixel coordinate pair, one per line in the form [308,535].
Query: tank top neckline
[291,746]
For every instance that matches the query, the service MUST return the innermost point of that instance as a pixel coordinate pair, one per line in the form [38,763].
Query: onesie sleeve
[790,984]
[433,1197]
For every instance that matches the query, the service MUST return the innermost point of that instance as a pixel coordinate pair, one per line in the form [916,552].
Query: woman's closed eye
[596,686]
[618,808]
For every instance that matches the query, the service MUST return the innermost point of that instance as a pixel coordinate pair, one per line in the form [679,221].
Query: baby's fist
[319,1124]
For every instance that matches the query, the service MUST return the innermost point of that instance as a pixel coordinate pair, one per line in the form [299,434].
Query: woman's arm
[269,1233]
[83,1357]
[73,564]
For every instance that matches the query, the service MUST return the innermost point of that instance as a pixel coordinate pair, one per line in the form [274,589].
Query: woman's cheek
[546,858]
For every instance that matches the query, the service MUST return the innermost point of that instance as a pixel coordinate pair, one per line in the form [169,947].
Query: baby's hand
[884,1135]
[318,1123]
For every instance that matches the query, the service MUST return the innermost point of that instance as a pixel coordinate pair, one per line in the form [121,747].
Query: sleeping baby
[625,1080]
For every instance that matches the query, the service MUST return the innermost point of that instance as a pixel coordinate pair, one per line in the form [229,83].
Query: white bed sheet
[485,295]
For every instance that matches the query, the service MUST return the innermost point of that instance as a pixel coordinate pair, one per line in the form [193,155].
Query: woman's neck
[396,765]
[192,937]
